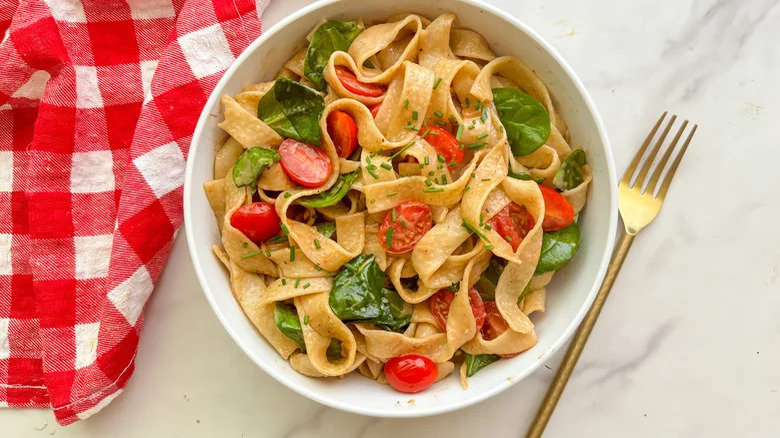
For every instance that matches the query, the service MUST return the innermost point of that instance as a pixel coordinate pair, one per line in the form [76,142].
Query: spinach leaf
[326,228]
[358,294]
[475,362]
[525,176]
[569,175]
[558,247]
[486,285]
[293,110]
[286,319]
[251,164]
[525,120]
[333,195]
[330,37]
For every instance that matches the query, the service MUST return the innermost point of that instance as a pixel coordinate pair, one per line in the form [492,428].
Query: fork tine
[660,167]
[651,157]
[630,171]
[673,169]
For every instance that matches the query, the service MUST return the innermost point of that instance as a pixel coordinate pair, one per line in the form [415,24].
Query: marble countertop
[687,345]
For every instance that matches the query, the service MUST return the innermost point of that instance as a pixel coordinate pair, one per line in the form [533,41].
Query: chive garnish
[425,134]
[389,237]
[292,253]
[460,132]
[444,179]
[305,319]
[391,194]
[284,282]
[297,282]
[268,254]
[481,136]
[414,115]
[244,245]
[453,164]
[478,105]
[251,254]
[386,166]
[428,182]
[371,171]
[403,224]
[439,123]
[402,150]
[441,158]
[437,113]
[317,244]
[501,128]
[474,229]
[426,160]
[467,102]
[406,104]
[485,179]
[484,115]
[306,285]
[436,84]
[477,145]
[433,190]
[393,214]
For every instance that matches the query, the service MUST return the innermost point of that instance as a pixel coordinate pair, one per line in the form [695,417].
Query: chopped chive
[373,201]
[317,244]
[508,238]
[306,285]
[251,254]
[386,165]
[368,159]
[481,136]
[389,237]
[437,113]
[478,145]
[472,127]
[436,84]
[391,194]
[439,123]
[466,189]
[452,117]
[371,171]
[421,165]
[430,173]
[444,179]
[460,132]
[393,214]
[410,127]
[478,105]
[287,195]
[424,124]
[426,160]
[406,104]
[425,134]
[268,254]
[414,115]
[473,175]
[461,147]
[474,229]
[285,230]
[292,253]
[484,115]
[244,245]
[428,182]
[402,150]
[403,224]
[489,247]
[467,102]
[441,158]
[318,267]
[297,282]
[436,180]
[434,133]
[501,128]
[305,319]
[440,167]
[433,190]
[485,179]
[488,227]
[284,282]
[453,164]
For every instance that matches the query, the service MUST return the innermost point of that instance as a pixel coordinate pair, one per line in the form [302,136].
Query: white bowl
[570,293]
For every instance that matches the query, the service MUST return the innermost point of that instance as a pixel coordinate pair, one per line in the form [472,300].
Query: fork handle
[578,342]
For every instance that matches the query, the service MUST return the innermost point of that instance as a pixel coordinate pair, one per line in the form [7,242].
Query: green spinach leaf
[326,228]
[486,285]
[333,195]
[358,294]
[525,120]
[286,319]
[525,176]
[475,362]
[293,110]
[558,247]
[330,37]
[251,164]
[569,175]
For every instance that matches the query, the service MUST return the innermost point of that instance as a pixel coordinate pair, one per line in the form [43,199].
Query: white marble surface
[687,345]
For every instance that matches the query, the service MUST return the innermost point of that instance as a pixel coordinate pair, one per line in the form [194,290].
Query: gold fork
[639,203]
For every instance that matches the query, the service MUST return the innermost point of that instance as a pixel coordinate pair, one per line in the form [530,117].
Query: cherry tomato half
[444,143]
[375,109]
[343,130]
[495,325]
[513,223]
[257,221]
[351,83]
[304,164]
[558,213]
[441,301]
[412,220]
[411,373]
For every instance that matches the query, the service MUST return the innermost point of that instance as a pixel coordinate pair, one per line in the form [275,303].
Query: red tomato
[343,130]
[351,83]
[411,373]
[412,220]
[513,223]
[304,164]
[441,301]
[495,324]
[257,221]
[558,213]
[375,109]
[444,143]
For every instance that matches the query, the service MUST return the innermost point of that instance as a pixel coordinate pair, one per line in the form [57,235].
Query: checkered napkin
[98,102]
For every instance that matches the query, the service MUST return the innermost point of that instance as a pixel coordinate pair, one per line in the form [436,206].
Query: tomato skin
[258,221]
[513,221]
[375,109]
[417,217]
[441,301]
[351,83]
[411,373]
[558,212]
[306,165]
[445,144]
[343,130]
[495,324]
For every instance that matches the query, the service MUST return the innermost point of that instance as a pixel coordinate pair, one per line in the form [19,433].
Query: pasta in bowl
[395,201]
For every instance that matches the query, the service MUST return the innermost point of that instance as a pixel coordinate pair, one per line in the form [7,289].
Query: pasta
[398,198]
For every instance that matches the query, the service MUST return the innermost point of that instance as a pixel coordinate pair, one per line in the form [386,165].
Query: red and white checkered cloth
[98,102]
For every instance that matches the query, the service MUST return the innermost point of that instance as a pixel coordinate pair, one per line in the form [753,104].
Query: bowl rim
[467,401]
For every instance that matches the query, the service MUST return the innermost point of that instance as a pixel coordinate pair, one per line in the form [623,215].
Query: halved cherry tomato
[441,301]
[558,213]
[411,373]
[304,164]
[444,143]
[351,83]
[495,325]
[513,223]
[257,221]
[412,220]
[375,109]
[343,130]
